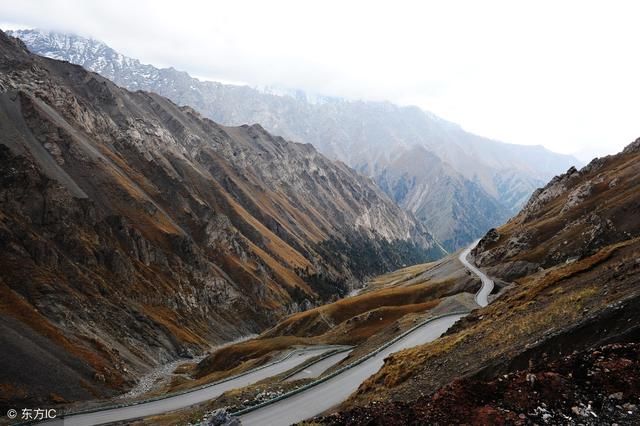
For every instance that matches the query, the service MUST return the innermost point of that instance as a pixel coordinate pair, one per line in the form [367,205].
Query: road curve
[332,392]
[187,399]
[482,296]
[297,407]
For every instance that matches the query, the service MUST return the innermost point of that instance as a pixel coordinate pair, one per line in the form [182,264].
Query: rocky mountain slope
[134,231]
[572,256]
[458,208]
[376,138]
[573,217]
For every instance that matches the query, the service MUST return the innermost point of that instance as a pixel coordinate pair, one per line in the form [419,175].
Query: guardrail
[346,367]
[314,361]
[187,391]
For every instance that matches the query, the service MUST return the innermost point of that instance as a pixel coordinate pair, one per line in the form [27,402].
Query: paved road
[482,295]
[317,368]
[332,392]
[185,400]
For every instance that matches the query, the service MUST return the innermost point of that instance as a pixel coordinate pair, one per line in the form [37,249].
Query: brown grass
[545,302]
[233,356]
[358,329]
[275,243]
[167,319]
[549,226]
[317,321]
[399,276]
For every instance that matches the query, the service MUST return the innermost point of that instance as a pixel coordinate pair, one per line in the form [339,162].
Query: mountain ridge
[365,135]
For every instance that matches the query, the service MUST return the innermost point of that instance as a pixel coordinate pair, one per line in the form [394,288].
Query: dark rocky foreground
[595,387]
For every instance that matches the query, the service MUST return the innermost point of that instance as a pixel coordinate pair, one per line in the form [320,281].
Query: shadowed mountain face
[133,231]
[376,138]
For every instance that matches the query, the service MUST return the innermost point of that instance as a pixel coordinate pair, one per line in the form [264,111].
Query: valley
[135,232]
[331,389]
[178,250]
[572,256]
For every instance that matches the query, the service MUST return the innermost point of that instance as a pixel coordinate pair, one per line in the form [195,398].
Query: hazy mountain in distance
[372,137]
[458,208]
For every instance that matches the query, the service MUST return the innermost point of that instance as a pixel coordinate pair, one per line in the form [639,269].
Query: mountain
[134,231]
[559,342]
[376,138]
[458,208]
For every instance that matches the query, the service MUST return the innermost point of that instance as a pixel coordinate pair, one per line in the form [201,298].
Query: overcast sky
[564,74]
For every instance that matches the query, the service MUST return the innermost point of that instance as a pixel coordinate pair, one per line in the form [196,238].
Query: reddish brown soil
[592,387]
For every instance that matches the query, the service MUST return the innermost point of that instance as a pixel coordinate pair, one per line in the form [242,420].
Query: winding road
[482,296]
[332,392]
[298,406]
[328,394]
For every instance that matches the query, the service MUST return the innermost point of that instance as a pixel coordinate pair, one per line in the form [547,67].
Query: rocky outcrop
[572,217]
[133,230]
[632,147]
[592,387]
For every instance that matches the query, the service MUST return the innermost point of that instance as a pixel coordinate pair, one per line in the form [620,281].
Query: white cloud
[561,74]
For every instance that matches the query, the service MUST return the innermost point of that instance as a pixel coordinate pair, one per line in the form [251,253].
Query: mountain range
[134,231]
[456,183]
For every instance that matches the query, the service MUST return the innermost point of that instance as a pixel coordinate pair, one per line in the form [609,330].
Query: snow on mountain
[375,138]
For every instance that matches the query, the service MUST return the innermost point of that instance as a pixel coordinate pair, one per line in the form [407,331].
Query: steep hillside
[571,218]
[457,209]
[573,257]
[133,231]
[376,138]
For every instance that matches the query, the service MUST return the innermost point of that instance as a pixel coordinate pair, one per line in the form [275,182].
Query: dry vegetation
[398,277]
[545,304]
[349,321]
[591,208]
[232,356]
[324,318]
